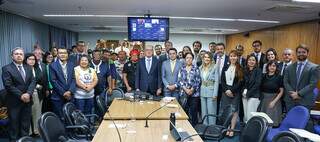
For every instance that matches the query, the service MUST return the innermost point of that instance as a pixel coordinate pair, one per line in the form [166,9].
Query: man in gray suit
[300,80]
[169,73]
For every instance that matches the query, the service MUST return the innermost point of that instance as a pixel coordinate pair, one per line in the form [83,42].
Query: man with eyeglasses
[261,57]
[287,60]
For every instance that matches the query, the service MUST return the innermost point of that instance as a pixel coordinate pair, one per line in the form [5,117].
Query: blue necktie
[299,72]
[148,65]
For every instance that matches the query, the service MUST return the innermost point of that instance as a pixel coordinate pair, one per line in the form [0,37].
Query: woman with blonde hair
[209,88]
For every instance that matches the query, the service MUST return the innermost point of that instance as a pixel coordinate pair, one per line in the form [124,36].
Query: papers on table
[306,134]
[168,99]
[264,115]
[120,126]
[315,112]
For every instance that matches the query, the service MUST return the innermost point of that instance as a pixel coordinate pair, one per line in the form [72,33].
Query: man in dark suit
[63,81]
[164,57]
[300,79]
[241,59]
[257,45]
[148,75]
[222,61]
[196,46]
[287,57]
[19,83]
[41,68]
[75,58]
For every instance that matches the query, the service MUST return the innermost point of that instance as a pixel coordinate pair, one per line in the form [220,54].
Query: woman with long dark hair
[251,88]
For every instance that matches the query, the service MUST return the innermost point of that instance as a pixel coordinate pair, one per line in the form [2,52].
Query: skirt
[275,112]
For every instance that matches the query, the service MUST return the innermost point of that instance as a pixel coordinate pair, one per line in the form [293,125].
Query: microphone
[114,125]
[154,112]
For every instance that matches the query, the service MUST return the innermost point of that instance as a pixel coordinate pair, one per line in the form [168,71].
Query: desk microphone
[154,112]
[114,125]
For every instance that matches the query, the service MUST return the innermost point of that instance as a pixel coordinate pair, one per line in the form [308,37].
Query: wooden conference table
[125,110]
[130,119]
[134,131]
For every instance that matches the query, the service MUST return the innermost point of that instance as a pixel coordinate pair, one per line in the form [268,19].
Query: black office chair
[255,130]
[26,139]
[101,105]
[287,136]
[216,132]
[51,129]
[116,93]
[75,117]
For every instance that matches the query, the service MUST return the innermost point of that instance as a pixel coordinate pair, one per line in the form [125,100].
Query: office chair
[297,117]
[75,117]
[51,129]
[216,132]
[287,136]
[255,130]
[101,105]
[26,139]
[4,120]
[116,93]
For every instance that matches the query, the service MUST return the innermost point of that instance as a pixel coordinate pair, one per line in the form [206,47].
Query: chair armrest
[218,126]
[207,115]
[83,127]
[92,115]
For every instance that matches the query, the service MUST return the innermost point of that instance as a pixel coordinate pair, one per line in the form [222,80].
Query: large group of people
[204,82]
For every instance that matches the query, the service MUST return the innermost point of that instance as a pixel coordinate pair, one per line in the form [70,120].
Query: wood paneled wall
[281,37]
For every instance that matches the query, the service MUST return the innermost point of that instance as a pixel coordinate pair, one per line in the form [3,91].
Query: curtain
[18,31]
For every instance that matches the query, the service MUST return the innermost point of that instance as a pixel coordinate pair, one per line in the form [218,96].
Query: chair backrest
[287,136]
[255,130]
[101,105]
[67,110]
[315,94]
[26,139]
[226,115]
[297,117]
[51,128]
[116,93]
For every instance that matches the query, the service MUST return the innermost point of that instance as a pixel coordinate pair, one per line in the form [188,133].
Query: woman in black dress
[271,92]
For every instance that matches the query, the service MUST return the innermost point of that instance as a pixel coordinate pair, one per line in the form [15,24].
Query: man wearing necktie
[222,61]
[169,73]
[148,74]
[257,45]
[287,60]
[300,79]
[81,48]
[19,83]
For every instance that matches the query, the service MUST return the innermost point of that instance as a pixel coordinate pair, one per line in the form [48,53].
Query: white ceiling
[286,12]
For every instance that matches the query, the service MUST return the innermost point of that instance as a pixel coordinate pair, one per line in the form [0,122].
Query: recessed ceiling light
[172,17]
[313,1]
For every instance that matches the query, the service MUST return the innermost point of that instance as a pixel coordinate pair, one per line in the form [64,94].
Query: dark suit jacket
[151,80]
[15,85]
[242,62]
[60,86]
[236,86]
[308,81]
[252,82]
[262,60]
[41,79]
[226,61]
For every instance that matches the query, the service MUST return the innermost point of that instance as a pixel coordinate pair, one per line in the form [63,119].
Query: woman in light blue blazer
[209,88]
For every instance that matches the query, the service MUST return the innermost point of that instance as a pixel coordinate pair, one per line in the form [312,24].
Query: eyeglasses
[256,45]
[287,54]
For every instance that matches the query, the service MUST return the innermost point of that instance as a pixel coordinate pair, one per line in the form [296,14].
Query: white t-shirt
[85,76]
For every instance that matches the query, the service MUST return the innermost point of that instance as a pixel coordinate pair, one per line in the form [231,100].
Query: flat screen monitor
[148,29]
